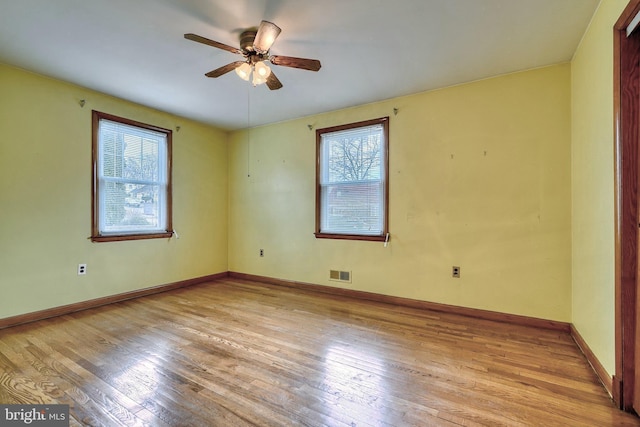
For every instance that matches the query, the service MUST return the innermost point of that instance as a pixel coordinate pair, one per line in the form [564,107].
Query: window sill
[123,237]
[363,237]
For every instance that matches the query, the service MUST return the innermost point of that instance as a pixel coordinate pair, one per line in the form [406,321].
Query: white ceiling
[370,49]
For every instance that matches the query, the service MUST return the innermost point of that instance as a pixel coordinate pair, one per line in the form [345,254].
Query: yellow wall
[480,178]
[45,200]
[593,185]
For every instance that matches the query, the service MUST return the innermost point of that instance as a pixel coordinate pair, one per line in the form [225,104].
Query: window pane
[141,159]
[114,197]
[132,207]
[353,208]
[353,156]
[112,152]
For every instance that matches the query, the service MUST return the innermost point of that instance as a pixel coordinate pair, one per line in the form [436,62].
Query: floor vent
[340,276]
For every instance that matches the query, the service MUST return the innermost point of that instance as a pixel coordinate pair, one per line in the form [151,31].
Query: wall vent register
[340,276]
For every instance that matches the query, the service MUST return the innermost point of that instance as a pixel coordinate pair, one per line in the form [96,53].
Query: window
[352,181]
[131,180]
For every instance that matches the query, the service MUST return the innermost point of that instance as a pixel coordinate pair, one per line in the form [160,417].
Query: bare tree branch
[354,159]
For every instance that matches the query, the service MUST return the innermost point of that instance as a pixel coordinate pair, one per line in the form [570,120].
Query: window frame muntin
[96,235]
[384,121]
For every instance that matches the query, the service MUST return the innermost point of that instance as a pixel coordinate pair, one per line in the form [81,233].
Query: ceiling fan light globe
[262,70]
[258,80]
[244,71]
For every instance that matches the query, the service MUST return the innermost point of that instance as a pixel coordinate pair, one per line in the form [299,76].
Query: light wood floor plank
[241,353]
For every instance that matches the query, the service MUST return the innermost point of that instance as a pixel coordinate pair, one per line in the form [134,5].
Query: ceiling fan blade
[272,82]
[204,40]
[290,61]
[224,69]
[267,34]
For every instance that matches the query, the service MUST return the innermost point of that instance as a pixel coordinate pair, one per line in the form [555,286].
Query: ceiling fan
[254,46]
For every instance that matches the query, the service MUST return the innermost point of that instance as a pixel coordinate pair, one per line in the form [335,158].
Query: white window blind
[132,179]
[351,179]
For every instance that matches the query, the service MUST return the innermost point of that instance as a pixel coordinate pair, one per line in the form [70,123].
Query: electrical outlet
[455,271]
[261,252]
[82,269]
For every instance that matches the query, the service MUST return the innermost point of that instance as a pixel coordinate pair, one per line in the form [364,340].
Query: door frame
[626,133]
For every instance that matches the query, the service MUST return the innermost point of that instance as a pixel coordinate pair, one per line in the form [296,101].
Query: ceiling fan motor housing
[246,40]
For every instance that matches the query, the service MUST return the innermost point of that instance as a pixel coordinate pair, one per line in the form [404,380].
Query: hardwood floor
[238,353]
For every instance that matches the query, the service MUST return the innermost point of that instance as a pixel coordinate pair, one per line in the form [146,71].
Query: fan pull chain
[248,132]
